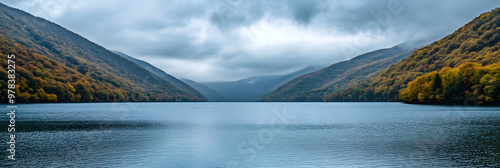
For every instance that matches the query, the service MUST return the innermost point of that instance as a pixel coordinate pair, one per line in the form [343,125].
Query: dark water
[253,135]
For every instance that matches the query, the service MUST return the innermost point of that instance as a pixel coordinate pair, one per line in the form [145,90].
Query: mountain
[56,65]
[476,42]
[209,93]
[167,77]
[249,89]
[316,85]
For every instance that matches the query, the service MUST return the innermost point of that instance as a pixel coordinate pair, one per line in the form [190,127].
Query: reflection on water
[254,135]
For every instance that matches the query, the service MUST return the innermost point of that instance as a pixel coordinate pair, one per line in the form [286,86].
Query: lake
[253,135]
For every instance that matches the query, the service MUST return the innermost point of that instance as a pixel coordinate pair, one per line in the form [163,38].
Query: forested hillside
[470,83]
[477,41]
[57,65]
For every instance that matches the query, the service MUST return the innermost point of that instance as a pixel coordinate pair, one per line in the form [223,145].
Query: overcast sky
[222,40]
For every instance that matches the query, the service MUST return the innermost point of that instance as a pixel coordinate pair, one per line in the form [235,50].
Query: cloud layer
[221,40]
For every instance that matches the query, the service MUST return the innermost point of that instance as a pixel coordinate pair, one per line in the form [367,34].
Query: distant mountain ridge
[248,89]
[315,86]
[93,74]
[206,91]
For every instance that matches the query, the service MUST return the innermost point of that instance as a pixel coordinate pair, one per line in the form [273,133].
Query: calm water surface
[254,135]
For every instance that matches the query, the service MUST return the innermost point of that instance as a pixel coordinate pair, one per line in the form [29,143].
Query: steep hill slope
[477,41]
[167,77]
[100,74]
[316,85]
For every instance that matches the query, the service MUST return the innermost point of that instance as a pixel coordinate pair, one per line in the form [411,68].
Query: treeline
[470,83]
[478,41]
[41,79]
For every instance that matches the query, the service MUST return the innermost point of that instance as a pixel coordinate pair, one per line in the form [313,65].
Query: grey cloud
[304,11]
[231,14]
